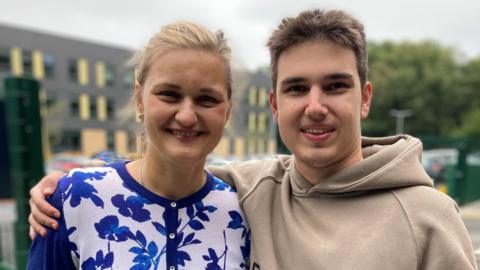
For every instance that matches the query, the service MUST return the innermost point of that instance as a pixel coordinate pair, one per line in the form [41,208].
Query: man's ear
[138,98]
[366,99]
[273,104]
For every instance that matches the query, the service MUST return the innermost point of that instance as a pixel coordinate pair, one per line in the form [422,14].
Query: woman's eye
[207,101]
[169,95]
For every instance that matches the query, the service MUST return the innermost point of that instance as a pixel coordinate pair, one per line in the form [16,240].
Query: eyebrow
[169,85]
[338,76]
[205,90]
[333,76]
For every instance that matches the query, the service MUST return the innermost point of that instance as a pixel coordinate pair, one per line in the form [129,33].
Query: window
[110,140]
[50,101]
[4,60]
[93,107]
[27,62]
[74,107]
[109,75]
[49,65]
[129,79]
[110,109]
[71,140]
[72,70]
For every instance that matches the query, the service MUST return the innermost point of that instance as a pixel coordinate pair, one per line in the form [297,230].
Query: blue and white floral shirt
[110,221]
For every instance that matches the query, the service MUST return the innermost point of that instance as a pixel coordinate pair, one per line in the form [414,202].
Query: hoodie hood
[388,162]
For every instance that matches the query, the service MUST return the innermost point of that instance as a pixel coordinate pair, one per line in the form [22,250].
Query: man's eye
[297,89]
[336,85]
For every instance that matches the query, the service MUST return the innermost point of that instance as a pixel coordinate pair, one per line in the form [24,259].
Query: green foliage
[427,79]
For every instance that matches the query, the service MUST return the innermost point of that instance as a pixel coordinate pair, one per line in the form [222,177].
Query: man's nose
[316,107]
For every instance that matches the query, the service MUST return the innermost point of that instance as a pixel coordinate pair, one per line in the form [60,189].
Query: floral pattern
[133,230]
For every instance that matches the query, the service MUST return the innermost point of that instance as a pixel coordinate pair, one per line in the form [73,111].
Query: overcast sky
[246,23]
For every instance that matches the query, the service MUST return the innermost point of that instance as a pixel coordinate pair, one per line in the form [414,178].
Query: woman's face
[185,105]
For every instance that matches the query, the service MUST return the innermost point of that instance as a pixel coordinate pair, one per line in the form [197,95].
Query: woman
[163,211]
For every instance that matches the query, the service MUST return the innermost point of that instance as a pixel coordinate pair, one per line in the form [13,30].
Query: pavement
[471,211]
[471,214]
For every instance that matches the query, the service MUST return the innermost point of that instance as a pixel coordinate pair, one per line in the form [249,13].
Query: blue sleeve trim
[52,252]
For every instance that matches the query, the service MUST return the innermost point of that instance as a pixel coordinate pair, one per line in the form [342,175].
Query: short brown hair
[334,25]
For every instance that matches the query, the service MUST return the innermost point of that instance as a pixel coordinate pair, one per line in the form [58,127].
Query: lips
[317,133]
[185,135]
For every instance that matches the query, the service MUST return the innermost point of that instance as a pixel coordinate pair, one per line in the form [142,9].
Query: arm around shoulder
[52,251]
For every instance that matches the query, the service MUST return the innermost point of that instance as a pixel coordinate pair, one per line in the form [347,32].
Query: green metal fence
[25,155]
[462,177]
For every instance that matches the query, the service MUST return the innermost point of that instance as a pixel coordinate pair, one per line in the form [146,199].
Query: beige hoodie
[381,213]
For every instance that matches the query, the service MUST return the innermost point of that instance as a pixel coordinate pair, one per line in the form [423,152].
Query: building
[251,131]
[84,87]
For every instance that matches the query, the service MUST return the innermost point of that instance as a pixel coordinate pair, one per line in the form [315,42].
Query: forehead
[187,67]
[315,60]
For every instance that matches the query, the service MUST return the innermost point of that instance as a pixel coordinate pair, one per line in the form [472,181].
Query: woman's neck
[167,179]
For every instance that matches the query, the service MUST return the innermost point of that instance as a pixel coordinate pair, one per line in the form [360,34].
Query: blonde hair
[183,35]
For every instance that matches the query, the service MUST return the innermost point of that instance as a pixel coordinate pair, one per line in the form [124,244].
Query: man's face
[318,105]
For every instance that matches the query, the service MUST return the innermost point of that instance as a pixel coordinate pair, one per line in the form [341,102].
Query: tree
[425,78]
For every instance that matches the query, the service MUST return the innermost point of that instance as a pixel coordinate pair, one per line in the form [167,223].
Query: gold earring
[140,116]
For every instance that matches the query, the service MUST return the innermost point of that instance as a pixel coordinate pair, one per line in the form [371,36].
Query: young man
[340,201]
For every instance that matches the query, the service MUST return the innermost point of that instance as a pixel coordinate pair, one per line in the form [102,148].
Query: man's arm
[42,212]
[53,251]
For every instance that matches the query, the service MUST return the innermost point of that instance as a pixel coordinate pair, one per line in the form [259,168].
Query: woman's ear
[139,100]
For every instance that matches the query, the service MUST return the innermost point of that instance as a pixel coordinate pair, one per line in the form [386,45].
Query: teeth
[184,133]
[315,131]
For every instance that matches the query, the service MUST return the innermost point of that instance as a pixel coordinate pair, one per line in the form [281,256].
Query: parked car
[109,157]
[437,161]
[66,162]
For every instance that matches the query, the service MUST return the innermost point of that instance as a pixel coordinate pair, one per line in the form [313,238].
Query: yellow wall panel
[260,146]
[38,67]
[101,108]
[100,74]
[93,141]
[82,71]
[84,102]
[251,145]
[16,65]
[252,96]
[262,97]
[42,96]
[121,142]
[251,122]
[239,147]
[272,146]
[262,122]
[222,147]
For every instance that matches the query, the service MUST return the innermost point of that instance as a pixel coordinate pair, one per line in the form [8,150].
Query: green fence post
[25,152]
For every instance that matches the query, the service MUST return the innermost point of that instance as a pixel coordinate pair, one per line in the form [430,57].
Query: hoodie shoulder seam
[412,231]
[263,178]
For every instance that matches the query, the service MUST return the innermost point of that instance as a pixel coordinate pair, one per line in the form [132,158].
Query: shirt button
[171,267]
[173,204]
[171,236]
